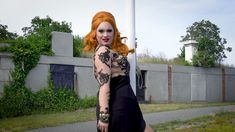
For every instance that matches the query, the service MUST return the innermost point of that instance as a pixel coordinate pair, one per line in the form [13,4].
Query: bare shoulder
[103,50]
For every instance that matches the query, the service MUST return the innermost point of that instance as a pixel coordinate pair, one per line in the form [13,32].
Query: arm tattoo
[103,77]
[104,57]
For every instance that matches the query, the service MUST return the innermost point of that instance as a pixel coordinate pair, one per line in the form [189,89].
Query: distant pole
[131,41]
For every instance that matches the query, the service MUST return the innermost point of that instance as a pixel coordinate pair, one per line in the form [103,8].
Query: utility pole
[131,41]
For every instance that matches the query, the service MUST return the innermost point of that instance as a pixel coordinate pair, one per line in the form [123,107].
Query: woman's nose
[105,33]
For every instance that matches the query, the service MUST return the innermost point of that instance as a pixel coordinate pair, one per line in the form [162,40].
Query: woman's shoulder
[103,49]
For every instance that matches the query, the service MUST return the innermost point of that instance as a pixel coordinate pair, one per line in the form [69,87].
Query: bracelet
[104,117]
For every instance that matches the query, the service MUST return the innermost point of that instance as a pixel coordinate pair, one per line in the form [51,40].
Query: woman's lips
[105,40]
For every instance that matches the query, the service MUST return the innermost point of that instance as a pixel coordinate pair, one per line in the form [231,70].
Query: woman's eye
[101,30]
[109,30]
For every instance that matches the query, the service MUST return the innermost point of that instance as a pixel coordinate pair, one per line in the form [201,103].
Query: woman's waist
[119,81]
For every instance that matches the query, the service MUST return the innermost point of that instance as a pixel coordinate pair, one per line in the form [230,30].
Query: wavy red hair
[90,39]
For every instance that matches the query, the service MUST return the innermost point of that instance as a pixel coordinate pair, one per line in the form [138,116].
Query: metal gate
[62,76]
[140,85]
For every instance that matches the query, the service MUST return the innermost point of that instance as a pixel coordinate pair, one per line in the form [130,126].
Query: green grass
[148,108]
[220,122]
[148,58]
[43,120]
[54,119]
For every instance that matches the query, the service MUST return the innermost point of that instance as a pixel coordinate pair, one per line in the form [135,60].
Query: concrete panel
[38,77]
[6,63]
[62,44]
[2,87]
[86,82]
[182,69]
[198,70]
[230,84]
[230,88]
[82,62]
[4,75]
[181,84]
[198,87]
[153,67]
[214,88]
[213,71]
[156,83]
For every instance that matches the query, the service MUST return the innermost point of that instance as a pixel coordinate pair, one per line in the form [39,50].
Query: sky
[159,23]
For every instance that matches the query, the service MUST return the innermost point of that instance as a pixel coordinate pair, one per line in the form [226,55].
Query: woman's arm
[102,68]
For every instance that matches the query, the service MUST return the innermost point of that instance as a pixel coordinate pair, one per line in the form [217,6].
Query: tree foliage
[77,46]
[211,47]
[39,32]
[5,34]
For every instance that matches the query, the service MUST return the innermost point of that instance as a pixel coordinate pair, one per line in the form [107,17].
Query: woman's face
[104,33]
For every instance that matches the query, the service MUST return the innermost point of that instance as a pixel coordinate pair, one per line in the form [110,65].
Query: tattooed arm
[102,65]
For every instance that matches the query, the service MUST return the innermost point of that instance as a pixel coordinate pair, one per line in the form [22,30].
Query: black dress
[125,113]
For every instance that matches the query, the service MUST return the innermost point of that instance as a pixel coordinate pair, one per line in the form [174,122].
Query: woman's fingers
[106,129]
[102,126]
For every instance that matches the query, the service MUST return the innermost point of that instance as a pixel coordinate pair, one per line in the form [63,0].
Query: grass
[160,59]
[149,108]
[220,122]
[44,120]
[53,119]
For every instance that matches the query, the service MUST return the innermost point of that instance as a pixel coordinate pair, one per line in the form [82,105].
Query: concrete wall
[188,84]
[60,42]
[213,84]
[6,65]
[85,83]
[230,84]
[182,84]
[156,82]
[164,83]
[198,84]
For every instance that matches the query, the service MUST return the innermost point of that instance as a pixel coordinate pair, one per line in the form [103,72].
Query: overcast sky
[159,23]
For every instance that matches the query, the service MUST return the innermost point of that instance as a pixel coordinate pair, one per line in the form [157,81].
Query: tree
[77,46]
[182,54]
[211,47]
[5,34]
[39,32]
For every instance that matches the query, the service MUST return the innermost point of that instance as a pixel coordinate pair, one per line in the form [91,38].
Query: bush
[77,46]
[87,102]
[5,49]
[47,100]
[50,100]
[15,101]
[23,102]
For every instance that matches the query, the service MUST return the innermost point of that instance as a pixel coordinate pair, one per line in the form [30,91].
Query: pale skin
[104,36]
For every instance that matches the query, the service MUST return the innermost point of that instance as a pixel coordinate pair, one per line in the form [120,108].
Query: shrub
[15,101]
[50,100]
[77,46]
[87,102]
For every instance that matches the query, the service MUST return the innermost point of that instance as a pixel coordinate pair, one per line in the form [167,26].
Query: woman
[117,106]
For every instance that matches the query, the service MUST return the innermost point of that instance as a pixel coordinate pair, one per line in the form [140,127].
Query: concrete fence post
[169,83]
[223,85]
[62,44]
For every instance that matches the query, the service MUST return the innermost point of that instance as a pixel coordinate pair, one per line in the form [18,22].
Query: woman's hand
[102,126]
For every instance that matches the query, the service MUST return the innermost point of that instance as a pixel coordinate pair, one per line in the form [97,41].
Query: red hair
[90,39]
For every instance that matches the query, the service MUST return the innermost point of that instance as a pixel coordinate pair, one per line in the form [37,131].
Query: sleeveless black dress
[125,113]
